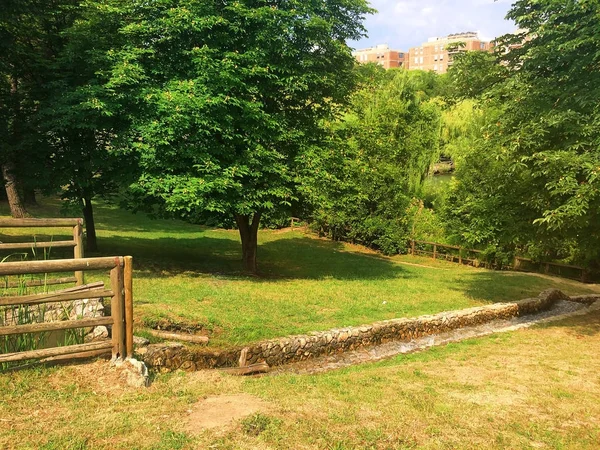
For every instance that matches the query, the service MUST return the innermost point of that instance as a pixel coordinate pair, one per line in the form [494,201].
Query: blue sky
[408,23]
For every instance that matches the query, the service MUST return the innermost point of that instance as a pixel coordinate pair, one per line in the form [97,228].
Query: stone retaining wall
[296,348]
[585,299]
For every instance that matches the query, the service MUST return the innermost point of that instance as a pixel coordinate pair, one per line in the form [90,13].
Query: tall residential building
[434,54]
[382,55]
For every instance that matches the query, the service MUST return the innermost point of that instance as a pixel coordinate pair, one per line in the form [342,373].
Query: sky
[405,24]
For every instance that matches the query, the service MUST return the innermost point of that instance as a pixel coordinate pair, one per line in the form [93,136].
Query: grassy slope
[535,388]
[189,273]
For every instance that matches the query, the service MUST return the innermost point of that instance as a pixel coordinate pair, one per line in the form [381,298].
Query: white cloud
[408,23]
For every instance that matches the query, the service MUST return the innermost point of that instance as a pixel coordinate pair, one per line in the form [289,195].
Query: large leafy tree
[58,131]
[81,118]
[539,154]
[29,40]
[228,94]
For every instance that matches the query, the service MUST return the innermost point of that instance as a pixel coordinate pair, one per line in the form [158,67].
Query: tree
[541,143]
[81,118]
[26,44]
[473,74]
[227,95]
[378,154]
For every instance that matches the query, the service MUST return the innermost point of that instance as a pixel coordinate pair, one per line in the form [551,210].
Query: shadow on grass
[290,258]
[503,286]
[283,258]
[112,218]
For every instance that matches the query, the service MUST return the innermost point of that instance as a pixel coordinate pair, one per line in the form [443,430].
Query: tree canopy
[533,185]
[228,94]
[378,153]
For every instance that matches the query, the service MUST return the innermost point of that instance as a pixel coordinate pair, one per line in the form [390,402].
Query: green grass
[190,274]
[535,388]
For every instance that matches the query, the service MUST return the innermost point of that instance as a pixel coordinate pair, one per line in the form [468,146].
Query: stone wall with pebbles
[585,299]
[296,348]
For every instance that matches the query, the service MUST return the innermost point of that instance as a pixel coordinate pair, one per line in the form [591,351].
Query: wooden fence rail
[76,243]
[462,255]
[120,292]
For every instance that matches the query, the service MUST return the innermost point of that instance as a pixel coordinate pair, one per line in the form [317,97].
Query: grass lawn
[191,274]
[534,388]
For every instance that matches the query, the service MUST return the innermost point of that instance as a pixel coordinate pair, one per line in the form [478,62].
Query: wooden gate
[120,292]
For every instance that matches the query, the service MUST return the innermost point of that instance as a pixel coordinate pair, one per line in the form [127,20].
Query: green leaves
[546,137]
[377,155]
[228,94]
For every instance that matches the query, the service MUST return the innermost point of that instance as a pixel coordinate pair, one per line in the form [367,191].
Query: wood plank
[56,351]
[82,287]
[247,370]
[32,223]
[59,265]
[30,245]
[78,250]
[54,297]
[568,266]
[81,355]
[193,338]
[438,244]
[31,283]
[54,326]
[128,284]
[118,313]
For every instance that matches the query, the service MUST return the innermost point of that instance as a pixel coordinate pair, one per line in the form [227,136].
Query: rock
[137,372]
[553,295]
[585,299]
[140,341]
[98,333]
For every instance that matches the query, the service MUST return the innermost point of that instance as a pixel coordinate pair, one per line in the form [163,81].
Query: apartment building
[435,54]
[382,55]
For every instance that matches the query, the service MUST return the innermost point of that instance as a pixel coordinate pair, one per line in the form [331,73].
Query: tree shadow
[280,259]
[110,217]
[506,286]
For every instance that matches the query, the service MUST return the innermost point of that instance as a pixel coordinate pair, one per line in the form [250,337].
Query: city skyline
[406,24]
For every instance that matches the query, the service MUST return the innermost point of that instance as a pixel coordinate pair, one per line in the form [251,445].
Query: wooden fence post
[412,247]
[117,312]
[128,280]
[78,250]
[459,255]
[434,251]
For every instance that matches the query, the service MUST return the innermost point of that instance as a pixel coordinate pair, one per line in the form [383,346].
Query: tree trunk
[17,209]
[249,236]
[91,243]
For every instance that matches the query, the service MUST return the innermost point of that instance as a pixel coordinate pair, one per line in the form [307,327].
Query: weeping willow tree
[378,155]
[462,124]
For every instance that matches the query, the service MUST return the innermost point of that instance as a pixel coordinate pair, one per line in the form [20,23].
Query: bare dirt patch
[222,411]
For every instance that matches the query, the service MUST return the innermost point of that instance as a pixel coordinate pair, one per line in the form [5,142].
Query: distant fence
[76,243]
[120,320]
[467,256]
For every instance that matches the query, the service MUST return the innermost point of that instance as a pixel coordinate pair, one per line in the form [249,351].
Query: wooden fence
[468,256]
[76,243]
[120,320]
